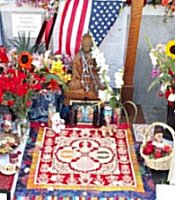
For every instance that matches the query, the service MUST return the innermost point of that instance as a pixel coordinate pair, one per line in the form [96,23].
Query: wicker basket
[162,163]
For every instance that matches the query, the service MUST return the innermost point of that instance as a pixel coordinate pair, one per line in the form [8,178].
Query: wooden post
[133,36]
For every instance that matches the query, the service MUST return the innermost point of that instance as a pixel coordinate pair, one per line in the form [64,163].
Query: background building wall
[8,11]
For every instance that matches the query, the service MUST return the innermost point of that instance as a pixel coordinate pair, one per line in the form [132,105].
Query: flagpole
[48,24]
[47,40]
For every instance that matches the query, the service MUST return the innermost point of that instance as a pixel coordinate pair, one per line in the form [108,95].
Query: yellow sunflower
[170,49]
[25,60]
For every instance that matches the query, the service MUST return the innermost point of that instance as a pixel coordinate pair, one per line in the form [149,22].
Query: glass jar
[108,114]
[51,112]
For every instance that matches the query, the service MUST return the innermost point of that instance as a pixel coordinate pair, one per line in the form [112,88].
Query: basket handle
[133,105]
[165,126]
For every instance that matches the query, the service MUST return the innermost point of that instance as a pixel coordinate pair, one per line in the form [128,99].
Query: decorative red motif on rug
[83,158]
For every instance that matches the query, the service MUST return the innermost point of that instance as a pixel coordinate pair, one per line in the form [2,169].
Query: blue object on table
[40,103]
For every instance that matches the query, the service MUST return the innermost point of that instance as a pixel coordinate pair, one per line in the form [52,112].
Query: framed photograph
[4,194]
[85,110]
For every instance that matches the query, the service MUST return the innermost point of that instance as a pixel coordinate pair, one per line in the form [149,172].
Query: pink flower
[155,72]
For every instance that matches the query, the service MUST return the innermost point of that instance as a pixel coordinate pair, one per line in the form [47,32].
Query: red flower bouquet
[24,74]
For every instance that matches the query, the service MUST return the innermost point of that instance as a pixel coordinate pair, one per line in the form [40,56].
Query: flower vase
[22,126]
[117,116]
[171,115]
[108,114]
[170,118]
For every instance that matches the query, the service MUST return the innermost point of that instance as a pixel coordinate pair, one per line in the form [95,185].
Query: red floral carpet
[83,159]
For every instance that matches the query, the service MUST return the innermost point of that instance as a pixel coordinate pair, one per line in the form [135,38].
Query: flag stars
[104,14]
[98,34]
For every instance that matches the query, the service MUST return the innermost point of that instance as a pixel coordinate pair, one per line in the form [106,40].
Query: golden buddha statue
[85,81]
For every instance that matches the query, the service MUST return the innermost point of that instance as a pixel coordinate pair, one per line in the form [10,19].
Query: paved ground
[154,113]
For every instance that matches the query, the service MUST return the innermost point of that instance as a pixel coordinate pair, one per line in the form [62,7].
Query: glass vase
[108,114]
[22,126]
[117,116]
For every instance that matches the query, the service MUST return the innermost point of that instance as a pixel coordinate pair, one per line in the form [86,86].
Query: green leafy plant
[23,43]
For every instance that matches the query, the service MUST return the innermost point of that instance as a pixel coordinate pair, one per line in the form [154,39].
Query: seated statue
[85,81]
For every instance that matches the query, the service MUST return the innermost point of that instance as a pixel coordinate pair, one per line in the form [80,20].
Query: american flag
[77,17]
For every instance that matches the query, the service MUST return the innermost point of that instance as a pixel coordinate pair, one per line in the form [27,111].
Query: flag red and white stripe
[71,25]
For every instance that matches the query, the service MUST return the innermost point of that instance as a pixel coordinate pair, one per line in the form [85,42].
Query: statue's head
[86,43]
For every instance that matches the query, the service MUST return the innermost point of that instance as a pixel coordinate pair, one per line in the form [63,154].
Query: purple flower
[155,72]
